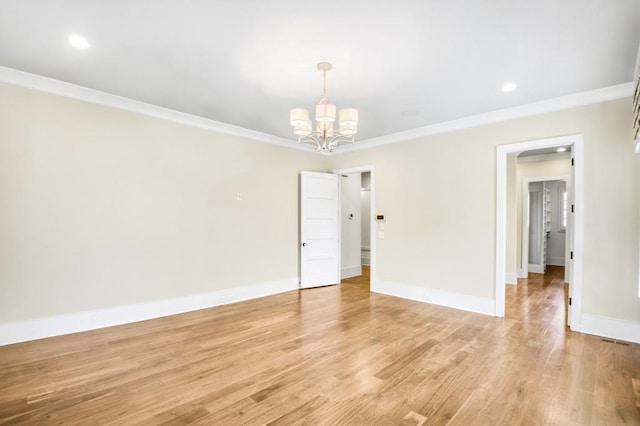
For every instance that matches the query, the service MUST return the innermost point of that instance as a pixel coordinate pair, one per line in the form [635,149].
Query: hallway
[541,297]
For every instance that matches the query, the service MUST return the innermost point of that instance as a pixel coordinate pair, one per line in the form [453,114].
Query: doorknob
[304,244]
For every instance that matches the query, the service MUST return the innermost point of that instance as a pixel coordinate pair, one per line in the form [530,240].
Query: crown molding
[50,85]
[57,87]
[549,105]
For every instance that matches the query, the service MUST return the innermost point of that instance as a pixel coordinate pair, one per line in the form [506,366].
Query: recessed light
[509,87]
[561,149]
[78,41]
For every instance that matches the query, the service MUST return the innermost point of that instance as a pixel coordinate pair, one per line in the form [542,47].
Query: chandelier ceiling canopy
[324,138]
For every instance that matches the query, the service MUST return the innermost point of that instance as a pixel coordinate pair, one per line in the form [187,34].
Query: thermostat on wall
[380,217]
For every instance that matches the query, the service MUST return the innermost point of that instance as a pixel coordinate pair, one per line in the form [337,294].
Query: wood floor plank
[332,355]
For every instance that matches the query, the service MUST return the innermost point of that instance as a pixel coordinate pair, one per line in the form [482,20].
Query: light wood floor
[332,355]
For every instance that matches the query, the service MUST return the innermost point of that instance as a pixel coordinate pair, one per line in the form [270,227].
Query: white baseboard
[536,269]
[555,261]
[365,253]
[612,328]
[511,278]
[437,297]
[520,274]
[38,328]
[353,271]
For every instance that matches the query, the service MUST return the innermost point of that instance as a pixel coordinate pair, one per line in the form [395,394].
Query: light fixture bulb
[509,87]
[78,41]
[561,149]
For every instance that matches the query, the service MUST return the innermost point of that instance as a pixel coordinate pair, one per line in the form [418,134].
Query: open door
[319,229]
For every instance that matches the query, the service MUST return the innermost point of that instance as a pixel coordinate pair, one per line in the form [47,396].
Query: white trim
[372,226]
[511,278]
[544,157]
[460,301]
[636,72]
[365,253]
[354,271]
[502,151]
[535,269]
[555,104]
[38,328]
[636,80]
[501,230]
[612,328]
[520,274]
[575,280]
[555,261]
[49,85]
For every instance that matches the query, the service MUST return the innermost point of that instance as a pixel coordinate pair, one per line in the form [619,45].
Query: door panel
[319,229]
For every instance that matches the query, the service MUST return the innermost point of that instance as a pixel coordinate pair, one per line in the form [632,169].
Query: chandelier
[324,138]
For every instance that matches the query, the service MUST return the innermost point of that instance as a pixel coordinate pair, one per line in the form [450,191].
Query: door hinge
[572,163]
[569,301]
[571,255]
[571,208]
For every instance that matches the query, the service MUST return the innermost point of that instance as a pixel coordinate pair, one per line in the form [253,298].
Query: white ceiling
[403,64]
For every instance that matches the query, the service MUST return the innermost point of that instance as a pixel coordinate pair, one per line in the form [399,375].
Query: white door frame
[502,151]
[372,226]
[524,267]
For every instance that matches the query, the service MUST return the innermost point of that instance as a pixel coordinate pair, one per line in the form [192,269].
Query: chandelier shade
[324,138]
[348,116]
[325,113]
[299,117]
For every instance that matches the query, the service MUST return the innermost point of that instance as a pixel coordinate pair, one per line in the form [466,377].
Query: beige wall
[439,195]
[538,169]
[101,207]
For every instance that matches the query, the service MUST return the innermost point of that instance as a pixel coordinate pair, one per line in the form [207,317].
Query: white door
[319,229]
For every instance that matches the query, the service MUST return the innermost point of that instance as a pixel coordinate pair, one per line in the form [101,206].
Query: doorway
[357,209]
[576,143]
[545,261]
[545,228]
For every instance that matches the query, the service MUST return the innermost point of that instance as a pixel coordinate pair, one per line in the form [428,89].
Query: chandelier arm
[312,140]
[319,137]
[338,139]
